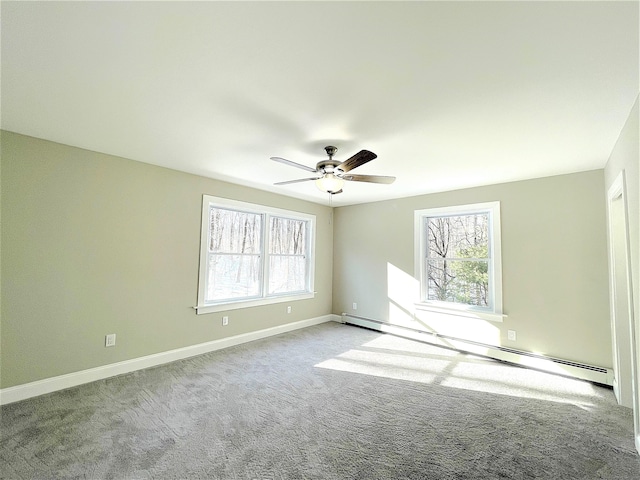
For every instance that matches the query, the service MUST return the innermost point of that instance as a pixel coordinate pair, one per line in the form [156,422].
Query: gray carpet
[327,402]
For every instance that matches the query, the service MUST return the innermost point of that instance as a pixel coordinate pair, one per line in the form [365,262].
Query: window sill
[462,312]
[223,307]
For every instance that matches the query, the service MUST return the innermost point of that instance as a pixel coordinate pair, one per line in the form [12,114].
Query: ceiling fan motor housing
[327,166]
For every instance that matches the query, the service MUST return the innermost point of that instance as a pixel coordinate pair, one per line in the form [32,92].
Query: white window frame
[265,298]
[494,311]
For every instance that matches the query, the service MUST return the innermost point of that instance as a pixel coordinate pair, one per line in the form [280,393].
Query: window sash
[221,287]
[295,278]
[455,290]
[248,234]
[291,245]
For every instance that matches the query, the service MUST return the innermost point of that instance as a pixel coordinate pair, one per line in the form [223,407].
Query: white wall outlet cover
[110,340]
[511,335]
[225,320]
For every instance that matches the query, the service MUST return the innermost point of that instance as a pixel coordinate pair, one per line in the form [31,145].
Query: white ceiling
[448,94]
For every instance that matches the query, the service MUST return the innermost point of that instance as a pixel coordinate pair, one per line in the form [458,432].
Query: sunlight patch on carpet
[396,358]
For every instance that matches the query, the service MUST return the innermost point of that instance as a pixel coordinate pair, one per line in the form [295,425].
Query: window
[458,258]
[253,255]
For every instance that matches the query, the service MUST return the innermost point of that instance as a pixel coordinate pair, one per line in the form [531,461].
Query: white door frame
[623,354]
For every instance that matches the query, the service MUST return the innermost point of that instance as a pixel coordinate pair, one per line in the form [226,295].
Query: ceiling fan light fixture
[329,183]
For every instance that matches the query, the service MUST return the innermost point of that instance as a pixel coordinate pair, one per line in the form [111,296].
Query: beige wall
[554,263]
[94,244]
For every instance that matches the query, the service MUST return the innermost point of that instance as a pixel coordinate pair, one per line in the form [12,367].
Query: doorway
[625,364]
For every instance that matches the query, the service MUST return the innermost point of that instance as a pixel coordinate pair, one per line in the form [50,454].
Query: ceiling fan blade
[296,181]
[360,158]
[369,178]
[293,164]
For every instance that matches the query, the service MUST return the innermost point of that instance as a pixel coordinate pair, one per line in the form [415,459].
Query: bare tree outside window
[234,254]
[457,260]
[287,260]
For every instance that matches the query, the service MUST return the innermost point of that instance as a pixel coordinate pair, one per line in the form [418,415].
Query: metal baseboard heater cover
[592,373]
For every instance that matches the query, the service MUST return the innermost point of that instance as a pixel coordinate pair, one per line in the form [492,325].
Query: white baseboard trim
[61,382]
[525,359]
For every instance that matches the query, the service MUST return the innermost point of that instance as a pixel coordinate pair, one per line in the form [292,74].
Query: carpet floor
[326,402]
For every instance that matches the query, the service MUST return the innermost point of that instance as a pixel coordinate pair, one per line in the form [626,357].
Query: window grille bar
[235,254]
[459,259]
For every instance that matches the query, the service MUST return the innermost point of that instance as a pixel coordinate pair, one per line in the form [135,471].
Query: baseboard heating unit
[600,375]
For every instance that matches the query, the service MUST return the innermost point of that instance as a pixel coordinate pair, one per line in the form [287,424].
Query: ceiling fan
[331,174]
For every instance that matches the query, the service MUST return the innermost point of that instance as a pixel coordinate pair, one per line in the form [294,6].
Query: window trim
[495,265]
[265,298]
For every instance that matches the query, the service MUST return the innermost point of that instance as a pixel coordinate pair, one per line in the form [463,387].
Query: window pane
[459,236]
[287,236]
[458,281]
[233,276]
[234,232]
[451,241]
[287,274]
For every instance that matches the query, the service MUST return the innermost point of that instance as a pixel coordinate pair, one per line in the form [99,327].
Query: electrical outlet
[225,321]
[289,309]
[511,335]
[110,340]
[355,306]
